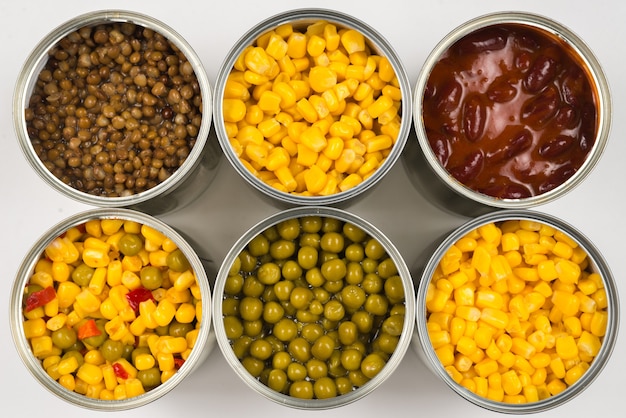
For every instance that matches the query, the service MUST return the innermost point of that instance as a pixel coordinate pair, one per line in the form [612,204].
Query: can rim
[37,58]
[16,314]
[394,360]
[375,39]
[595,73]
[599,264]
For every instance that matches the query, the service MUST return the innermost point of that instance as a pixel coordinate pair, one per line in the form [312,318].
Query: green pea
[394,289]
[82,274]
[283,289]
[177,329]
[372,364]
[273,312]
[355,252]
[261,349]
[151,277]
[233,284]
[291,270]
[253,366]
[282,249]
[250,309]
[285,329]
[301,297]
[332,242]
[348,332]
[302,389]
[352,296]
[259,245]
[393,325]
[372,283]
[233,327]
[343,384]
[289,229]
[307,257]
[310,240]
[230,306]
[334,270]
[353,232]
[374,249]
[351,359]
[241,346]
[112,350]
[253,287]
[325,388]
[354,273]
[277,380]
[323,347]
[331,224]
[248,261]
[149,378]
[376,304]
[269,273]
[177,261]
[334,310]
[316,369]
[64,338]
[130,244]
[253,328]
[281,360]
[311,223]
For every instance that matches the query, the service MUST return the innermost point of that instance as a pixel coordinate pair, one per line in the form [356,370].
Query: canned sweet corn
[312,107]
[107,333]
[517,312]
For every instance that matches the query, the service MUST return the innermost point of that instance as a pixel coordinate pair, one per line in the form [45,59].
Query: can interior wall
[206,337]
[421,340]
[340,400]
[301,18]
[437,184]
[186,183]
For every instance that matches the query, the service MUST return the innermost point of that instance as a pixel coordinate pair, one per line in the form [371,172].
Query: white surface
[30,207]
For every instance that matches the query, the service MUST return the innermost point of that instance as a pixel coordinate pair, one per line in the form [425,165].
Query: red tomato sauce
[510,111]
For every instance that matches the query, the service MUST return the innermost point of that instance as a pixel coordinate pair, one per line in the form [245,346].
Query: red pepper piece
[120,371]
[178,362]
[40,298]
[136,296]
[88,329]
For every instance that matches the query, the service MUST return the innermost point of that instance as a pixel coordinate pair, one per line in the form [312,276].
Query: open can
[307,336]
[81,315]
[312,144]
[511,110]
[542,304]
[113,109]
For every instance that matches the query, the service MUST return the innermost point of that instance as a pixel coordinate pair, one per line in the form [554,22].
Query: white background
[30,207]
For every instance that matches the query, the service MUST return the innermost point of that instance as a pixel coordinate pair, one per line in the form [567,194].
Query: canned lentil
[113,109]
[511,110]
[111,309]
[315,308]
[517,312]
[312,107]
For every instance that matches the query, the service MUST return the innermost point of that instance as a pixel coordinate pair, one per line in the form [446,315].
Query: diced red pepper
[136,296]
[178,362]
[40,298]
[88,329]
[120,371]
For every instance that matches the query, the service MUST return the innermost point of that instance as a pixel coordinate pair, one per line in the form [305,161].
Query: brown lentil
[115,111]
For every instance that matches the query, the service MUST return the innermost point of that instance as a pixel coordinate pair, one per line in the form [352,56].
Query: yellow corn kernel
[385,70]
[599,296]
[35,327]
[184,281]
[589,344]
[483,337]
[269,102]
[353,41]
[456,329]
[470,328]
[511,383]
[133,387]
[185,313]
[454,373]
[234,90]
[538,339]
[523,348]
[315,179]
[599,322]
[89,373]
[579,256]
[296,45]
[98,280]
[306,110]
[60,271]
[507,359]
[349,182]
[492,351]
[587,286]
[556,386]
[87,301]
[462,363]
[284,175]
[481,260]
[567,271]
[486,367]
[276,47]
[466,346]
[445,354]
[164,313]
[486,298]
[379,143]
[63,250]
[165,361]
[543,289]
[565,302]
[67,365]
[95,257]
[144,361]
[468,313]
[314,139]
[439,338]
[573,326]
[566,347]
[131,280]
[379,106]
[464,295]
[494,317]
[56,322]
[172,345]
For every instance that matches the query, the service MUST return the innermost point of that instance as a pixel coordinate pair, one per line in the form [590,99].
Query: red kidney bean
[470,168]
[518,143]
[522,61]
[556,147]
[566,117]
[587,134]
[439,145]
[474,117]
[449,97]
[538,110]
[501,90]
[488,39]
[540,74]
[573,86]
[558,177]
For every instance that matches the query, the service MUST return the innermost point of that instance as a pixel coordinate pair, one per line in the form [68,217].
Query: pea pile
[515,312]
[312,111]
[313,307]
[112,309]
[115,111]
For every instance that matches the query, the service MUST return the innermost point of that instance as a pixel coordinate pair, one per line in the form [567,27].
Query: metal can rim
[599,264]
[395,359]
[596,74]
[303,15]
[34,366]
[37,59]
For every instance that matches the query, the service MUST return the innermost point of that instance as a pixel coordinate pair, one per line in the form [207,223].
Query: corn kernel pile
[513,312]
[312,113]
[134,347]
